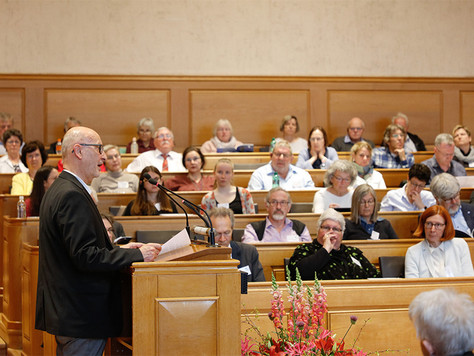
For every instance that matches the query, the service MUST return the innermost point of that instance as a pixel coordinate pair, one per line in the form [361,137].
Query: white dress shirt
[154,158]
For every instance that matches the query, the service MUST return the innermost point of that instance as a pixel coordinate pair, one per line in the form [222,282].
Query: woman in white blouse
[11,162]
[289,128]
[439,254]
[362,157]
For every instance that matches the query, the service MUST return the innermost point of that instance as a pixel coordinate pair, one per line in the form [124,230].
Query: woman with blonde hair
[289,128]
[463,152]
[223,140]
[361,153]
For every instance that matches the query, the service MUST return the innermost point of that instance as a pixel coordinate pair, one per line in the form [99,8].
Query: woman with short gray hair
[223,139]
[338,192]
[145,130]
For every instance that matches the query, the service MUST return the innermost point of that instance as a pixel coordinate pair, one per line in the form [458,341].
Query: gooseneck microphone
[189,204]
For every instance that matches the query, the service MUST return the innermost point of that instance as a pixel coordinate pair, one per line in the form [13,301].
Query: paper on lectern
[181,239]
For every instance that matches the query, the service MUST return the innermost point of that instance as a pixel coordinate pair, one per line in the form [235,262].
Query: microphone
[189,204]
[205,231]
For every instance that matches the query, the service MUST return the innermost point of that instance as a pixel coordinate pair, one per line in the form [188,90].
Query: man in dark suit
[446,189]
[223,222]
[78,296]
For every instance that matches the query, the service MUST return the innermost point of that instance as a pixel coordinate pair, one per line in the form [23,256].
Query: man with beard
[276,227]
[445,189]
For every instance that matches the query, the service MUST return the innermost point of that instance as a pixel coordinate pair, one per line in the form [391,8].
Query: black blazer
[468,213]
[248,256]
[78,279]
[355,231]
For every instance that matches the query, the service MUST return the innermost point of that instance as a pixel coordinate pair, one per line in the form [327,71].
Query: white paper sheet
[181,239]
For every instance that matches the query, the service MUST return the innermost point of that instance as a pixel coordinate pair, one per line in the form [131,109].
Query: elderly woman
[11,162]
[439,254]
[45,176]
[223,139]
[338,191]
[33,155]
[318,155]
[114,180]
[289,128]
[364,224]
[145,129]
[463,151]
[226,194]
[150,199]
[194,161]
[327,256]
[362,158]
[393,154]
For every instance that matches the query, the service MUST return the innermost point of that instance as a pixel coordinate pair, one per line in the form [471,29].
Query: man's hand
[415,197]
[150,251]
[400,152]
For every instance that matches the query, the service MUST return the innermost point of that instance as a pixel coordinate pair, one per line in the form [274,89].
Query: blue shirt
[296,179]
[383,158]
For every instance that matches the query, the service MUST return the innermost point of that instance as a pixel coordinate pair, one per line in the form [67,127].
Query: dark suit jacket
[468,213]
[78,279]
[355,231]
[248,256]
[419,144]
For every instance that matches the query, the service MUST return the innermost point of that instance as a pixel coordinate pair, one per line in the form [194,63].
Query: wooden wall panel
[377,108]
[12,101]
[467,109]
[112,113]
[255,114]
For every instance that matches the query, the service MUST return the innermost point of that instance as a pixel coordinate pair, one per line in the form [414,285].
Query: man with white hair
[446,189]
[412,142]
[444,322]
[442,160]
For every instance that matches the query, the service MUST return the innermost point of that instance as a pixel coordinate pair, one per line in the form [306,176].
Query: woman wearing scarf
[223,140]
[362,158]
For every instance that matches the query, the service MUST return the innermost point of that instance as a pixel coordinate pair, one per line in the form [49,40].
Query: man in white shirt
[289,177]
[162,157]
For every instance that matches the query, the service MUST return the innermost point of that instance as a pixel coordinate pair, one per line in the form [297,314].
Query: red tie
[165,163]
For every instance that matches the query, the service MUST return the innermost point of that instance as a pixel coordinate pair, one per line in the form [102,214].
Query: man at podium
[223,222]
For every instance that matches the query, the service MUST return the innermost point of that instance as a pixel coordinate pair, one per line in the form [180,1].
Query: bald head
[355,129]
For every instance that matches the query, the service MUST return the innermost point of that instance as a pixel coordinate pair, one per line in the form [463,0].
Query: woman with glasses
[393,153]
[364,223]
[338,192]
[226,194]
[361,153]
[193,161]
[463,152]
[327,256]
[145,129]
[150,199]
[439,254]
[33,156]
[318,155]
[11,162]
[289,128]
[223,140]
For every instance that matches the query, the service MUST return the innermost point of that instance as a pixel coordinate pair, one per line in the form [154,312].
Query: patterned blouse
[338,264]
[209,201]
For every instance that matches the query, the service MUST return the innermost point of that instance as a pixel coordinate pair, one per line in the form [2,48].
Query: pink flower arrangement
[304,333]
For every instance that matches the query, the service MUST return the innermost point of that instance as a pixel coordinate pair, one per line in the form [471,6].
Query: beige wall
[422,38]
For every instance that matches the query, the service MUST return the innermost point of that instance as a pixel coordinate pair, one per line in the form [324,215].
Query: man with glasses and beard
[276,227]
[446,189]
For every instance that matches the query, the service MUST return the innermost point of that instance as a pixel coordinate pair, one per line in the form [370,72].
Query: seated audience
[289,128]
[318,155]
[393,154]
[44,177]
[33,156]
[225,194]
[327,257]
[463,152]
[163,157]
[362,158]
[276,227]
[114,228]
[150,199]
[280,169]
[115,180]
[145,129]
[446,190]
[223,222]
[68,124]
[412,142]
[223,140]
[11,162]
[444,322]
[6,123]
[442,160]
[338,192]
[439,254]
[355,130]
[364,223]
[412,196]
[193,161]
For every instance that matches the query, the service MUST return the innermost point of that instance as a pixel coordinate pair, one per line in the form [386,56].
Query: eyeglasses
[340,179]
[396,136]
[367,202]
[13,142]
[437,226]
[419,186]
[98,145]
[276,202]
[328,228]
[193,159]
[285,155]
[355,128]
[115,156]
[163,136]
[456,197]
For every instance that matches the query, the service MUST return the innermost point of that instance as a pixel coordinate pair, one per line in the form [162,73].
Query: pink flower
[353,319]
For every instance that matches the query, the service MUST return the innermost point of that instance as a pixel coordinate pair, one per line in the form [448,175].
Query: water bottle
[134,146]
[275,180]
[59,147]
[272,144]
[21,207]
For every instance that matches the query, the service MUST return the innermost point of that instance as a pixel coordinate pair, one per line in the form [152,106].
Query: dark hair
[420,171]
[38,191]
[323,131]
[193,149]
[12,132]
[141,205]
[448,233]
[32,146]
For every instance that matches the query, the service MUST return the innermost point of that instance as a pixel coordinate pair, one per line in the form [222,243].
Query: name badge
[375,235]
[245,269]
[356,262]
[223,205]
[158,206]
